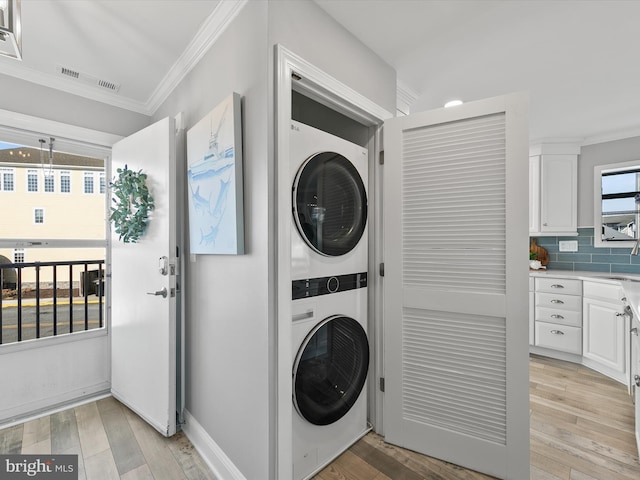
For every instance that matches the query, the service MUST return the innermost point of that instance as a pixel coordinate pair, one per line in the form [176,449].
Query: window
[65,181]
[620,199]
[32,180]
[102,183]
[18,255]
[88,182]
[38,215]
[49,182]
[7,176]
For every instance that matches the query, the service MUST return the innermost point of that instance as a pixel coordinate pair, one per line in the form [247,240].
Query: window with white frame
[7,179]
[32,180]
[65,181]
[49,182]
[103,184]
[18,255]
[88,182]
[38,215]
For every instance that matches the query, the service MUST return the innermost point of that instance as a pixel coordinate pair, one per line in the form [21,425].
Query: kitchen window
[620,200]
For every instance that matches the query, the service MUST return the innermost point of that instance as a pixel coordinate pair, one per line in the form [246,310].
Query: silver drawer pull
[557,332]
[555,315]
[557,285]
[556,301]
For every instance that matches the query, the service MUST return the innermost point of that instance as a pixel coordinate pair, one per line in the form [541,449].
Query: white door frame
[321,87]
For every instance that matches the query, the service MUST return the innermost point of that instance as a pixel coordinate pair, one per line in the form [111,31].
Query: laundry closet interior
[331,181]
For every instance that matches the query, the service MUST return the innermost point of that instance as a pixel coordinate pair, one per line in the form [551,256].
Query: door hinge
[382,384]
[382,269]
[381,157]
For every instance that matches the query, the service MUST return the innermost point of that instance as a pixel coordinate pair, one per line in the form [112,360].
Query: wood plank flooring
[581,429]
[112,443]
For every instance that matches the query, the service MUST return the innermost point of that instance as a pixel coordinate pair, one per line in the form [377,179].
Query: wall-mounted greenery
[133,202]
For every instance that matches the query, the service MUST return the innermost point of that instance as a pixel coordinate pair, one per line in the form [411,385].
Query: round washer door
[330,204]
[330,370]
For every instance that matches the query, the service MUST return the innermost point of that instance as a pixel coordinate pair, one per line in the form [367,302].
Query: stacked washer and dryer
[329,255]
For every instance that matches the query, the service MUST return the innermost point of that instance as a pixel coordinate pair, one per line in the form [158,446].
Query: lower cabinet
[559,337]
[605,338]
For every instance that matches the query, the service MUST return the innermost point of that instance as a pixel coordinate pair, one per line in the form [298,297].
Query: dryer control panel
[313,287]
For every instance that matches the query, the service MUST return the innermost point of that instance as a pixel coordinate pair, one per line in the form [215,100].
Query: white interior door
[456,285]
[143,323]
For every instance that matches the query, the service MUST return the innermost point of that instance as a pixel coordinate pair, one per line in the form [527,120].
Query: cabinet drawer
[564,317]
[605,291]
[559,337]
[565,286]
[559,302]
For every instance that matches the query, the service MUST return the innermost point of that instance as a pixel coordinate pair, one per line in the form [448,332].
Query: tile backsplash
[589,258]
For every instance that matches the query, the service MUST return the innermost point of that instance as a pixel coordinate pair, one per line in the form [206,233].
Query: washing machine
[329,178]
[329,376]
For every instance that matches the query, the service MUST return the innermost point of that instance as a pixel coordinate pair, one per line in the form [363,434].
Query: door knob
[637,380]
[162,293]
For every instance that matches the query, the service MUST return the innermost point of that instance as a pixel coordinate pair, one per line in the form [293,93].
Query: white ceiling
[132,43]
[578,59]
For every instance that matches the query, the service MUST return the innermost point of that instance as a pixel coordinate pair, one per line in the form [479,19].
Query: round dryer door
[330,204]
[330,370]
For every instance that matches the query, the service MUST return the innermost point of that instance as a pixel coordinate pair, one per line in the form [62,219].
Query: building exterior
[57,201]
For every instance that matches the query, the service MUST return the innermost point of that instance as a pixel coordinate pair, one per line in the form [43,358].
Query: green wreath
[133,202]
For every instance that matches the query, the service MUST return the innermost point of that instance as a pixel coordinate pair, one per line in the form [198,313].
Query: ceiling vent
[87,79]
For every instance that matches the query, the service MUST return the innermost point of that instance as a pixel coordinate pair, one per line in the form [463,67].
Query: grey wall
[228,322]
[231,320]
[44,102]
[600,154]
[307,30]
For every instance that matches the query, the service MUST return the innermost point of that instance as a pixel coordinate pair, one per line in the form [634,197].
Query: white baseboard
[48,406]
[221,465]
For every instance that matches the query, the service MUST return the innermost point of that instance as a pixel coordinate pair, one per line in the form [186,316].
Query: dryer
[329,177]
[329,377]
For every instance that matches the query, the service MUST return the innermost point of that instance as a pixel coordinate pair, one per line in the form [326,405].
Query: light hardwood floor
[112,443]
[581,429]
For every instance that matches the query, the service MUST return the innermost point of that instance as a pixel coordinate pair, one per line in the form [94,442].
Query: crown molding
[214,25]
[222,15]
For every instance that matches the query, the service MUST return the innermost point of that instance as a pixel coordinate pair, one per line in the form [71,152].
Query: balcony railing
[71,299]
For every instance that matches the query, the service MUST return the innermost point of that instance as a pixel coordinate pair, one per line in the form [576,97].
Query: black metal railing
[30,310]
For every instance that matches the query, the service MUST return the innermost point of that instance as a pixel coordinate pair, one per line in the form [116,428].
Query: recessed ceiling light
[452,103]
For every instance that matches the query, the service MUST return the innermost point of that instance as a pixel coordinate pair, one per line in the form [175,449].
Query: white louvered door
[455,286]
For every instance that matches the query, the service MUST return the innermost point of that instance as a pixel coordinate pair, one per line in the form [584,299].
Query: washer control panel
[313,287]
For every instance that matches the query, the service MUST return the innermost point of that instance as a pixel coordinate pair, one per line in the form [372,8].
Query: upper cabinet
[553,190]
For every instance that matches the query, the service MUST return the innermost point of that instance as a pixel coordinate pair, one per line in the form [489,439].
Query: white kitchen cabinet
[605,340]
[532,310]
[558,314]
[553,191]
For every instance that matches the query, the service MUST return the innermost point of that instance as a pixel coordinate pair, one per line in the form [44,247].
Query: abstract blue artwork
[214,178]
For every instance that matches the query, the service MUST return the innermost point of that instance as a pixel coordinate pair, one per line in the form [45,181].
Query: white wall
[308,31]
[230,300]
[617,151]
[57,371]
[228,306]
[43,102]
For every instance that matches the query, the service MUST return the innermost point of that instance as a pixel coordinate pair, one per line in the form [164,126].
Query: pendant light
[10,29]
